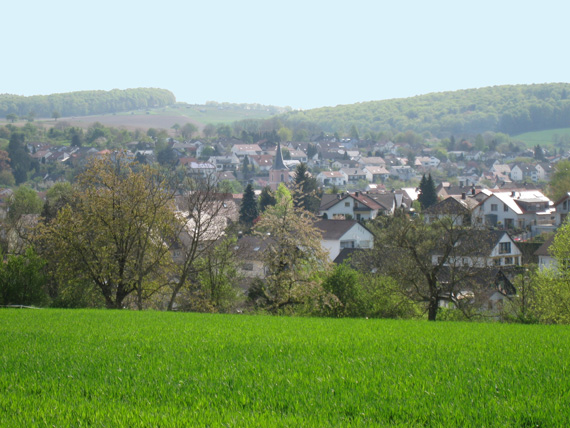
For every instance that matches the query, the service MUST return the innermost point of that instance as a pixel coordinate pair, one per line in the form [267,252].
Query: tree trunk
[432,309]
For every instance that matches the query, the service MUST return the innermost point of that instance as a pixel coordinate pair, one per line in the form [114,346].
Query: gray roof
[279,165]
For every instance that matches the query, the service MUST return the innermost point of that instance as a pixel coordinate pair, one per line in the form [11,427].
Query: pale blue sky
[303,54]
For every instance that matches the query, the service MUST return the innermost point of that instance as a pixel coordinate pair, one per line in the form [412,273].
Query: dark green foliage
[428,195]
[167,157]
[539,153]
[344,283]
[22,280]
[84,103]
[248,210]
[306,190]
[266,199]
[20,159]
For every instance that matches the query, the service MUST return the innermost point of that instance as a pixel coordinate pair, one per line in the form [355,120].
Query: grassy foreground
[112,368]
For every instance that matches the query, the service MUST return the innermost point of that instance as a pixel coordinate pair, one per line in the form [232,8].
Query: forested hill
[511,109]
[84,103]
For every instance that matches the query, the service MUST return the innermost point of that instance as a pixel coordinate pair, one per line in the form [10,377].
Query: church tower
[278,173]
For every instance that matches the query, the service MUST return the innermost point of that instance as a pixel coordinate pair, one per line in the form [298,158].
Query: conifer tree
[248,211]
[266,199]
[428,195]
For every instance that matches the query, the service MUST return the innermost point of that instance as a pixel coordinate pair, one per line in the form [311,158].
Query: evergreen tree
[266,199]
[245,165]
[248,211]
[306,189]
[428,195]
[20,160]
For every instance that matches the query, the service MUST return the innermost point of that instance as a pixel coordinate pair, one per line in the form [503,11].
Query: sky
[302,54]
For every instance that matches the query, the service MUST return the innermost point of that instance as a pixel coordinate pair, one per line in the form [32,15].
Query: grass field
[546,138]
[111,368]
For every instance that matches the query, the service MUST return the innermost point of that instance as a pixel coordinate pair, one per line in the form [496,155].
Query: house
[225,163]
[404,173]
[562,207]
[545,259]
[427,162]
[485,271]
[201,169]
[376,161]
[378,173]
[496,249]
[349,205]
[298,155]
[458,209]
[500,172]
[354,175]
[515,209]
[544,171]
[523,171]
[250,251]
[339,234]
[241,150]
[261,162]
[332,178]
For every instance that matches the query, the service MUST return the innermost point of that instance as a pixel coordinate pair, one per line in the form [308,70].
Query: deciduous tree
[115,236]
[201,224]
[294,259]
[431,263]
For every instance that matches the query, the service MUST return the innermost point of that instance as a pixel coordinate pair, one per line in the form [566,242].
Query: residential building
[339,234]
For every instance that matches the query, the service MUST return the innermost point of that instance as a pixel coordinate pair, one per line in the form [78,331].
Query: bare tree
[432,263]
[203,218]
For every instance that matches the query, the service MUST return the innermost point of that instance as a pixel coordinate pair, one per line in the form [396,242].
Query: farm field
[162,118]
[546,138]
[121,368]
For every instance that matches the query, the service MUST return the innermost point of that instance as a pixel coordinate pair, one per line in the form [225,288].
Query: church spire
[279,165]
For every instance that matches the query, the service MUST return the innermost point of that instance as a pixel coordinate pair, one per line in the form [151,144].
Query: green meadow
[118,368]
[559,137]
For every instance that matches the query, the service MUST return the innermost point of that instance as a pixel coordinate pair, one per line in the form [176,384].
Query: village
[355,183]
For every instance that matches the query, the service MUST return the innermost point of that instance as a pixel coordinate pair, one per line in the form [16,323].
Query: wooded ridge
[85,103]
[512,109]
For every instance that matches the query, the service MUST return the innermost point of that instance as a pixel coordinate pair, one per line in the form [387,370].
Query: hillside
[511,109]
[83,103]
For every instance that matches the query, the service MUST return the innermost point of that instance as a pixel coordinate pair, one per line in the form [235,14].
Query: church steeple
[278,164]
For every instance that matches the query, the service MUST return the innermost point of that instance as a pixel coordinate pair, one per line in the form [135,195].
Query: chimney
[513,194]
[463,196]
[473,190]
[356,194]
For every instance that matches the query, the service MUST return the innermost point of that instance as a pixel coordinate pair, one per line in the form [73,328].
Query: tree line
[83,103]
[510,109]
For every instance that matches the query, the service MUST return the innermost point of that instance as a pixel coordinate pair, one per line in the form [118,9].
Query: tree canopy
[84,103]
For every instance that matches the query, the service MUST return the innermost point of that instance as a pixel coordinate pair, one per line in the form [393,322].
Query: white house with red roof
[355,205]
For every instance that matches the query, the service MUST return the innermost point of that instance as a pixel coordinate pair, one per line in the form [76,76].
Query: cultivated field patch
[113,368]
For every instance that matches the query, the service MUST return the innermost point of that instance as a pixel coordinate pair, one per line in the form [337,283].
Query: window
[508,260]
[346,244]
[494,207]
[497,262]
[347,204]
[247,266]
[505,207]
[504,247]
